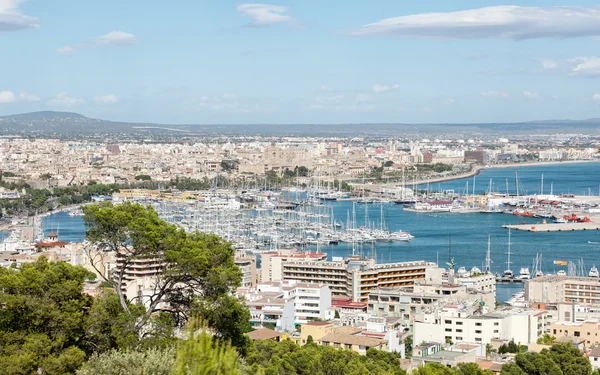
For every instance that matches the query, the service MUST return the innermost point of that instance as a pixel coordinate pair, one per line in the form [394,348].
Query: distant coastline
[477,170]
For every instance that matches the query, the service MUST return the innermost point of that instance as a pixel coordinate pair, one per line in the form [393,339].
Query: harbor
[554,227]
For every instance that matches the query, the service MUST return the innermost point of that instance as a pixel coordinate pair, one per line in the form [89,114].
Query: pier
[508,280]
[552,227]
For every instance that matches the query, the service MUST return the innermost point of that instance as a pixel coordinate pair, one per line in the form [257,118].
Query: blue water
[69,228]
[464,236]
[576,178]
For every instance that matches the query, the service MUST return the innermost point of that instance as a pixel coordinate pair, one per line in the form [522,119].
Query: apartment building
[471,323]
[406,302]
[271,262]
[558,289]
[287,303]
[587,330]
[247,264]
[324,333]
[356,277]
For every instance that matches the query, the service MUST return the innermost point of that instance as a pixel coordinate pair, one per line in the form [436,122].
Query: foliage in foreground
[153,361]
[561,359]
[270,358]
[42,318]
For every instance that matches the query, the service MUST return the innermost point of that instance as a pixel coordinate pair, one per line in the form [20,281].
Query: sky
[309,61]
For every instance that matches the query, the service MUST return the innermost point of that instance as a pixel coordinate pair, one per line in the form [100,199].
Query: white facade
[465,325]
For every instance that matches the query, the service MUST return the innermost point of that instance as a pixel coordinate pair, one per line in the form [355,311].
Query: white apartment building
[287,304]
[473,324]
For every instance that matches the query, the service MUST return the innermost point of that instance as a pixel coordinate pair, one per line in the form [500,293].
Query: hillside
[50,123]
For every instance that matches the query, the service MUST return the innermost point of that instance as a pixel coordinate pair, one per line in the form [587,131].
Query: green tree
[154,361]
[408,346]
[198,274]
[42,317]
[143,177]
[388,163]
[489,349]
[199,354]
[561,359]
[336,315]
[546,339]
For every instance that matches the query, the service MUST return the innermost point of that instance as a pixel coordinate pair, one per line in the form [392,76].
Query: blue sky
[301,62]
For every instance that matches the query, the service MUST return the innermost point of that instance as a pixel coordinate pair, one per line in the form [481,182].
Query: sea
[463,238]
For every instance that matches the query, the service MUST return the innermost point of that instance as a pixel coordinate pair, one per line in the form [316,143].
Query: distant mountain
[68,124]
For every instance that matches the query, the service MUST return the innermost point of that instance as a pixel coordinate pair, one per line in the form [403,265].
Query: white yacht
[539,273]
[475,270]
[508,274]
[561,273]
[594,272]
[524,274]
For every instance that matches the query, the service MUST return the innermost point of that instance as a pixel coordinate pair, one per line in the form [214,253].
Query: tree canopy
[198,274]
[560,359]
[43,317]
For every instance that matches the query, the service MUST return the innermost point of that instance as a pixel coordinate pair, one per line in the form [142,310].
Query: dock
[566,227]
[508,280]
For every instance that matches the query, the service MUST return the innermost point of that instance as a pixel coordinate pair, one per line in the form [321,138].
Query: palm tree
[489,349]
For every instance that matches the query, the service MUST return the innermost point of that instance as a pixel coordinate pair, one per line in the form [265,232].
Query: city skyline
[286,62]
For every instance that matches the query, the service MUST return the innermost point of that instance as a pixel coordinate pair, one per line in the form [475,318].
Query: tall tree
[198,273]
[42,318]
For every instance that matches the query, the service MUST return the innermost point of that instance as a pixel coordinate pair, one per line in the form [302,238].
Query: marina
[554,227]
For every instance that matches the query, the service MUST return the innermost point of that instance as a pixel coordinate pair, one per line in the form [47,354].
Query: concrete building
[560,289]
[247,264]
[271,268]
[473,324]
[356,278]
[287,303]
[594,358]
[351,338]
[406,302]
[587,331]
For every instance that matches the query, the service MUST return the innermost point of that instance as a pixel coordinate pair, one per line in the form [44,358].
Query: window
[478,324]
[448,329]
[458,338]
[458,330]
[478,331]
[496,323]
[459,323]
[577,334]
[448,321]
[555,331]
[495,331]
[478,339]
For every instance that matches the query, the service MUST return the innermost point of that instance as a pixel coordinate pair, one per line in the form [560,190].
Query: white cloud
[116,38]
[106,99]
[26,97]
[363,98]
[384,88]
[585,66]
[265,14]
[11,19]
[334,99]
[509,22]
[66,50]
[549,64]
[10,97]
[494,94]
[64,100]
[7,97]
[113,38]
[531,94]
[448,101]
[324,88]
[596,97]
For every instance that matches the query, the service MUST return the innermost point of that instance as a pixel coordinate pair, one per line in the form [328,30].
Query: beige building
[587,331]
[558,289]
[356,278]
[247,264]
[324,333]
[271,262]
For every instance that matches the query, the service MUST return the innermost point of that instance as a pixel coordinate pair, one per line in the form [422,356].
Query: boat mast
[488,260]
[542,184]
[508,262]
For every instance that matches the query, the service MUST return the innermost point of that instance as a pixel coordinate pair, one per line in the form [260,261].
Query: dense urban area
[199,255]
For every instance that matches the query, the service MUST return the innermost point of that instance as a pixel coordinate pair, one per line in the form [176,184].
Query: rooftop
[264,334]
[352,340]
